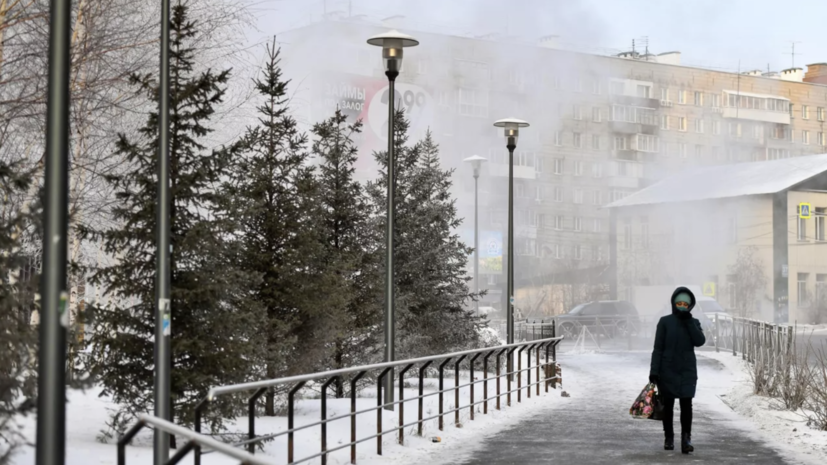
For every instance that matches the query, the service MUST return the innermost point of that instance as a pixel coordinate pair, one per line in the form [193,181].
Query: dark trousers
[669,413]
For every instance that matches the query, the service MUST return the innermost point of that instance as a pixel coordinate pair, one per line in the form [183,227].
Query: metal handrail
[195,439]
[297,382]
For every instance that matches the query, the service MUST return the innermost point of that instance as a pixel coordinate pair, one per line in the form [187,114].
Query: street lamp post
[392,43]
[476,162]
[54,319]
[512,131]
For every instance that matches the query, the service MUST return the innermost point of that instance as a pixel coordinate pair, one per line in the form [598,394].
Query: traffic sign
[804,210]
[709,289]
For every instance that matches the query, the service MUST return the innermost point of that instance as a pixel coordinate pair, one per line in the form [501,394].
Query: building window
[627,234]
[596,142]
[644,232]
[578,168]
[664,122]
[733,230]
[819,221]
[473,102]
[578,196]
[519,190]
[821,140]
[620,143]
[577,112]
[803,298]
[735,129]
[664,94]
[777,154]
[801,226]
[597,170]
[715,153]
[699,99]
[647,143]
[596,114]
[558,138]
[820,112]
[682,123]
[596,198]
[578,252]
[821,286]
[805,137]
[558,166]
[805,112]
[578,140]
[682,97]
[596,226]
[644,91]
[558,224]
[716,100]
[558,194]
[683,150]
[716,128]
[699,125]
[699,151]
[578,223]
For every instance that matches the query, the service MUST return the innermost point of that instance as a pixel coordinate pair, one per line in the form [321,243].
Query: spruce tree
[430,278]
[17,336]
[212,315]
[272,198]
[351,245]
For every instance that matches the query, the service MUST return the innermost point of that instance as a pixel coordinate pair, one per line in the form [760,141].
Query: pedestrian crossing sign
[804,211]
[709,289]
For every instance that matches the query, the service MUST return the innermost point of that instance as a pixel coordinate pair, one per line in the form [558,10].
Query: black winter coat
[673,358]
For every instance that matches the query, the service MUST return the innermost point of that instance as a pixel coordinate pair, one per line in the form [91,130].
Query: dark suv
[609,317]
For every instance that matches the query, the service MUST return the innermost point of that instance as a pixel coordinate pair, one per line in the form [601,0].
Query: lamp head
[392,43]
[511,126]
[476,162]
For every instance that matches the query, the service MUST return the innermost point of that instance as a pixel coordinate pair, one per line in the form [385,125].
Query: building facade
[602,127]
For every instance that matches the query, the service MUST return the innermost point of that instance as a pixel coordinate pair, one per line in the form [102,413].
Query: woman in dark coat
[674,368]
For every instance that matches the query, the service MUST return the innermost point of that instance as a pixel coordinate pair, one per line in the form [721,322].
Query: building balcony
[636,101]
[767,116]
[521,172]
[625,127]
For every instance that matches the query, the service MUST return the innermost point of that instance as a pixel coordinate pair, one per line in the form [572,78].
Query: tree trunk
[270,399]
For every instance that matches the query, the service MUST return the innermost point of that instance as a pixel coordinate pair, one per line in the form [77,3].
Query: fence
[505,353]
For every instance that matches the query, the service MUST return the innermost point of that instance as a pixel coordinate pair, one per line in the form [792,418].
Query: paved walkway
[595,427]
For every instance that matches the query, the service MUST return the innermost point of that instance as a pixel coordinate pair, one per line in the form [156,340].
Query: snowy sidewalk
[595,426]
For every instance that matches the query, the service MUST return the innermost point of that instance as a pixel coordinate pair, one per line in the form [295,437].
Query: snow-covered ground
[766,414]
[87,414]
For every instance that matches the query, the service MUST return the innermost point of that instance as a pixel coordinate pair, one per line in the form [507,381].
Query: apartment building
[602,127]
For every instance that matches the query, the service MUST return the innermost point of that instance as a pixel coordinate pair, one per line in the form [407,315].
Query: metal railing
[757,339]
[195,440]
[542,347]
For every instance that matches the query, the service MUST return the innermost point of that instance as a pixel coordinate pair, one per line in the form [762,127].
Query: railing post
[379,410]
[198,409]
[473,381]
[499,354]
[716,332]
[554,334]
[402,403]
[291,410]
[732,327]
[537,359]
[509,354]
[548,361]
[353,415]
[324,415]
[456,389]
[125,439]
[251,419]
[485,382]
[441,384]
[520,373]
[421,391]
[528,370]
[182,452]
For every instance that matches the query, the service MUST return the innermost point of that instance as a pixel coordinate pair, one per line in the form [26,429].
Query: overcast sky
[710,33]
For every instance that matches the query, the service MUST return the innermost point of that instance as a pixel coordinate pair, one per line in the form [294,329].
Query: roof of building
[723,181]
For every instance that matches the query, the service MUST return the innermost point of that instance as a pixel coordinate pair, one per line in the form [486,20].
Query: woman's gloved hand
[654,379]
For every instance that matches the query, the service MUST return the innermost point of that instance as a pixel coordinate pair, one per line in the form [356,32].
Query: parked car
[609,317]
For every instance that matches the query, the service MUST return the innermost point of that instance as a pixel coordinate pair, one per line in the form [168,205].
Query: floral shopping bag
[647,405]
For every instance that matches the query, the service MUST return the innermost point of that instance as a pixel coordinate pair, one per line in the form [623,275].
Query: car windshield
[577,309]
[708,306]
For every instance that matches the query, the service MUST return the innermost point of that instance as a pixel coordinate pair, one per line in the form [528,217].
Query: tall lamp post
[476,162]
[512,131]
[392,43]
[51,380]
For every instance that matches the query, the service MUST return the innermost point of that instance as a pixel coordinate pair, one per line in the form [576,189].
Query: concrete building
[737,227]
[602,127]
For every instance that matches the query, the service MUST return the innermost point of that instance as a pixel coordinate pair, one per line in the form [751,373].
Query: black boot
[686,443]
[669,443]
